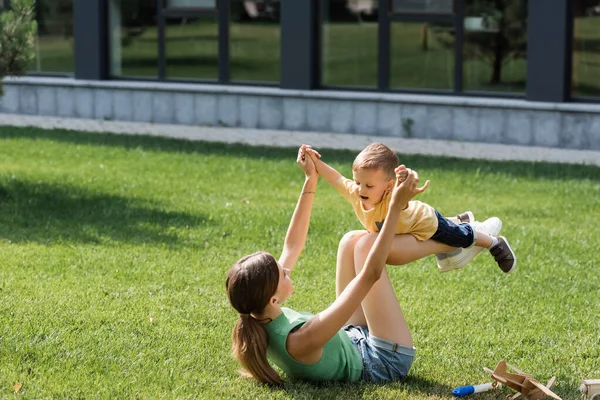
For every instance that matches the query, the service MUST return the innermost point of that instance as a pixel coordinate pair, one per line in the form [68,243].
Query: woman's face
[284,287]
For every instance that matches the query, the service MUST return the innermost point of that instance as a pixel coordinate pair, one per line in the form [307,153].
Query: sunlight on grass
[114,252]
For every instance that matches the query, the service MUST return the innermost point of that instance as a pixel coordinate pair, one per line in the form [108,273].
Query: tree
[17,35]
[500,37]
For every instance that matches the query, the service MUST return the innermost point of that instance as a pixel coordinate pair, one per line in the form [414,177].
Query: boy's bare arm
[328,173]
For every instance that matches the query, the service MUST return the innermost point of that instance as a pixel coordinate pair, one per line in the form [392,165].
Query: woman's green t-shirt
[340,361]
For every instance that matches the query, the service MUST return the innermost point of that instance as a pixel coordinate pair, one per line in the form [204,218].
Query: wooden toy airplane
[523,383]
[590,388]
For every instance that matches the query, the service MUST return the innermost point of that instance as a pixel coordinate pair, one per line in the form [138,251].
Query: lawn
[114,252]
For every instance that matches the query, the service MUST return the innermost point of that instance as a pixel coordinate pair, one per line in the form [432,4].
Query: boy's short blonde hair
[377,156]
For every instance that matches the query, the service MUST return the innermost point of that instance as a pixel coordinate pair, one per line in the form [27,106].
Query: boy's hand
[401,173]
[404,191]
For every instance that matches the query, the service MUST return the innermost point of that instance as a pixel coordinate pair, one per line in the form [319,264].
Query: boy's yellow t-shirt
[418,218]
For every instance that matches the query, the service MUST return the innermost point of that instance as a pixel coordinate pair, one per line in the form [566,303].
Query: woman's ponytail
[250,349]
[251,283]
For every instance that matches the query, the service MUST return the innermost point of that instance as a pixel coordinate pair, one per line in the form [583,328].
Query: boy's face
[372,185]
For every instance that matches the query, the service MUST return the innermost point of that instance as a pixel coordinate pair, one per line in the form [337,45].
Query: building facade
[505,71]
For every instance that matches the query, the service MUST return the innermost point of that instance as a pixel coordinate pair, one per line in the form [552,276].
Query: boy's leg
[504,255]
[483,239]
[466,217]
[497,245]
[442,259]
[490,227]
[345,271]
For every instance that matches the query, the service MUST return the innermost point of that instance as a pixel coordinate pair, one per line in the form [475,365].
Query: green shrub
[17,35]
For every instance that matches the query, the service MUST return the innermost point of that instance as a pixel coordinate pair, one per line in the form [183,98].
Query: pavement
[319,140]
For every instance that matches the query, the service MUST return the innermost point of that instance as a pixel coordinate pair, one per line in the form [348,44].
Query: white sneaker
[443,259]
[467,217]
[456,260]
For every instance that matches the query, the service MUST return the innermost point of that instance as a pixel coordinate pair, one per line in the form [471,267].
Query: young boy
[369,193]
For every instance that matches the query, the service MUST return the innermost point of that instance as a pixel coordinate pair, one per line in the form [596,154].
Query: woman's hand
[406,186]
[306,163]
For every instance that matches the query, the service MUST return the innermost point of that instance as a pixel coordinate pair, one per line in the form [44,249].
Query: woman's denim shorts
[383,360]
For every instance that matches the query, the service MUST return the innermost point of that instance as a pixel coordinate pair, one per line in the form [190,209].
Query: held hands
[305,162]
[312,153]
[406,187]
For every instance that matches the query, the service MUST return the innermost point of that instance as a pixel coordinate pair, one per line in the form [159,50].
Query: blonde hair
[377,156]
[251,282]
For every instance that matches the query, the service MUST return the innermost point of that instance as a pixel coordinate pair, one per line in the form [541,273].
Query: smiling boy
[369,194]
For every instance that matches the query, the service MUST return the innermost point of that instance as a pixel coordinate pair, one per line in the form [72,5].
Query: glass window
[423,6]
[495,46]
[349,47]
[192,47]
[133,38]
[586,49]
[422,55]
[54,42]
[192,4]
[254,41]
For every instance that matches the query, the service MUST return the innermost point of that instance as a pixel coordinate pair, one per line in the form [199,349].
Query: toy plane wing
[545,389]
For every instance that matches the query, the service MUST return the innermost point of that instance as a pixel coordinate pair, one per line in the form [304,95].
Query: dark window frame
[384,53]
[571,40]
[311,78]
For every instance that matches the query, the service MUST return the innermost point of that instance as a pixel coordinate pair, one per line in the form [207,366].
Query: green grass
[101,233]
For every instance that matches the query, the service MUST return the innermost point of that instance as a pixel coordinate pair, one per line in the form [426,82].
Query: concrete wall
[564,125]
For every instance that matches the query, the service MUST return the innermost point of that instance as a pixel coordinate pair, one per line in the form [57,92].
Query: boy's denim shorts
[383,360]
[461,235]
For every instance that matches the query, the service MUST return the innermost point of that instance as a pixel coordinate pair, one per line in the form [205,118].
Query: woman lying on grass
[345,342]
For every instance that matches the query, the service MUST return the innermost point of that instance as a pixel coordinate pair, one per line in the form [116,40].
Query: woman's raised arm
[317,331]
[295,239]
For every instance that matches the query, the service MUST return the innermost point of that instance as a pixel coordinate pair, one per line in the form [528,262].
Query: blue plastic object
[463,391]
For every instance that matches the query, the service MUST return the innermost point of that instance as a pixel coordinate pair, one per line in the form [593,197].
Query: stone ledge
[450,100]
[505,121]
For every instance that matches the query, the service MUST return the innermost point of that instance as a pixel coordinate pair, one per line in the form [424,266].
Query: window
[422,55]
[192,47]
[422,6]
[349,43]
[495,46]
[254,41]
[586,48]
[54,50]
[133,38]
[191,40]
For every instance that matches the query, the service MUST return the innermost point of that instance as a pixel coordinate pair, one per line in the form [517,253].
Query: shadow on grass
[416,384]
[343,157]
[412,385]
[327,390]
[46,213]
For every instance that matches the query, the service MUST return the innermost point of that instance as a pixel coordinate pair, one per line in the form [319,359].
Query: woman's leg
[345,271]
[406,249]
[381,308]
